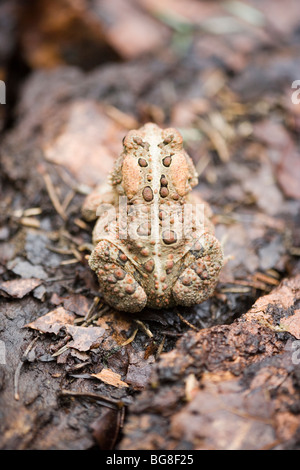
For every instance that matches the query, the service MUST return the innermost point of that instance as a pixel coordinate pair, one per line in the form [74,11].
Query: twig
[251,283]
[109,402]
[69,261]
[32,211]
[19,367]
[73,239]
[80,223]
[90,310]
[144,327]
[59,279]
[61,350]
[160,347]
[60,251]
[120,117]
[68,199]
[187,322]
[235,290]
[53,196]
[131,338]
[30,222]
[76,254]
[216,139]
[265,278]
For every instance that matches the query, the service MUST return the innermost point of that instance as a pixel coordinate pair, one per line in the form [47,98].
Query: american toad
[154,243]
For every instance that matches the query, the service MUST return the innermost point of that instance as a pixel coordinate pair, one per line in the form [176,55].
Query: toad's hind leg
[115,274]
[199,276]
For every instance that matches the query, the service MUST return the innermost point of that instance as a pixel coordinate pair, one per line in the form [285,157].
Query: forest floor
[74,373]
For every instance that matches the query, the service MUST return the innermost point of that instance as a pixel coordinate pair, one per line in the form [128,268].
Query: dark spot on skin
[148,194]
[122,257]
[145,251]
[149,265]
[204,275]
[168,139]
[169,237]
[162,215]
[163,181]
[167,161]
[169,266]
[119,274]
[111,279]
[164,192]
[138,140]
[186,280]
[142,162]
[130,289]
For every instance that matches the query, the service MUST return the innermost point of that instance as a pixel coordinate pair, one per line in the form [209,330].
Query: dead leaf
[139,370]
[106,429]
[76,303]
[292,324]
[89,134]
[111,378]
[272,133]
[18,288]
[288,172]
[223,420]
[85,338]
[53,321]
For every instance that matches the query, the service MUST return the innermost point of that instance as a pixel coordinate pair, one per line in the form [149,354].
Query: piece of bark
[292,324]
[288,172]
[76,303]
[18,288]
[85,338]
[53,321]
[110,377]
[86,135]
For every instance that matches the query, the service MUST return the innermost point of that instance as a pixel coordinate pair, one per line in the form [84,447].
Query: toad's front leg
[116,278]
[102,196]
[201,267]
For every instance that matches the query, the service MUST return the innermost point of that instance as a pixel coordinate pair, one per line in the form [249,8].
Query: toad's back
[154,175]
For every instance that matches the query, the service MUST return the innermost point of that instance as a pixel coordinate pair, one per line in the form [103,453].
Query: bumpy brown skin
[155,263]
